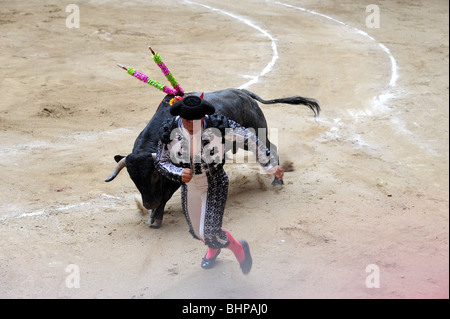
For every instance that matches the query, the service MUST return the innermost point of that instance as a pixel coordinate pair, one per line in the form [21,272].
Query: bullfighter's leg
[193,197]
[214,236]
[203,201]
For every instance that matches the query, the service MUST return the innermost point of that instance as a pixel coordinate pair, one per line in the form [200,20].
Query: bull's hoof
[154,223]
[278,183]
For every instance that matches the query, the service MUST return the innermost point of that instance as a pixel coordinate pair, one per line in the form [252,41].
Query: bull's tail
[296,100]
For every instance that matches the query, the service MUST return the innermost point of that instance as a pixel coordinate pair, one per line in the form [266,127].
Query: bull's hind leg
[276,182]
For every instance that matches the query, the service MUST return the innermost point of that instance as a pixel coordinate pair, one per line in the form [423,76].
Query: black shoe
[246,265]
[208,263]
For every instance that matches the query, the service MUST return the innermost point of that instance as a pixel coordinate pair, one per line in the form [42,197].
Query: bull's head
[142,170]
[141,165]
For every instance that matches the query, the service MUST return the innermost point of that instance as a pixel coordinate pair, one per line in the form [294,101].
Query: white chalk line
[21,149]
[394,67]
[46,212]
[15,148]
[378,102]
[43,212]
[270,65]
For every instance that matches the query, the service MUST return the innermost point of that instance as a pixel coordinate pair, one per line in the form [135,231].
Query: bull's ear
[117,158]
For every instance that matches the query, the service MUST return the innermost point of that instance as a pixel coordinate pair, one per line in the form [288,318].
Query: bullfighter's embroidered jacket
[218,136]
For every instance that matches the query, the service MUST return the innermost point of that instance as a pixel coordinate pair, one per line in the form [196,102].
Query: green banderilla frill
[156,84]
[172,80]
[157,58]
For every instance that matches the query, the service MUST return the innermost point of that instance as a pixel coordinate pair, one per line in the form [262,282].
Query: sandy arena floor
[370,187]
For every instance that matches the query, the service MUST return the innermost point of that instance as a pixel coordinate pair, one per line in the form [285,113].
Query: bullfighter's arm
[267,159]
[164,164]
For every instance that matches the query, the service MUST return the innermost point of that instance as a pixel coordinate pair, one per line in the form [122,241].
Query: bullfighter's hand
[186,175]
[277,171]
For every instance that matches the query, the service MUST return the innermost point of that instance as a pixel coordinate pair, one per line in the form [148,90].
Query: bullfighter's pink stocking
[211,253]
[236,247]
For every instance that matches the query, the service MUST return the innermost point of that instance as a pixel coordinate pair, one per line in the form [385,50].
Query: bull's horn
[120,165]
[154,156]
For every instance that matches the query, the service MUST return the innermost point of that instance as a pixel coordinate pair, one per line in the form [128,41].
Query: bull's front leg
[156,217]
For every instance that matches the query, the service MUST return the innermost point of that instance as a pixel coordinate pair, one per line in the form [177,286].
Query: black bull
[156,190]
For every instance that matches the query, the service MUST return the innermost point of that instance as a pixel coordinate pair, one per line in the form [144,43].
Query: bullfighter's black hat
[192,108]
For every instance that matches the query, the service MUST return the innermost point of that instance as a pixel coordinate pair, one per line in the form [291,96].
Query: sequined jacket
[176,147]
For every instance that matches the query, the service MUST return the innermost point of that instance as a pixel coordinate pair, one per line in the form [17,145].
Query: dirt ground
[366,203]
